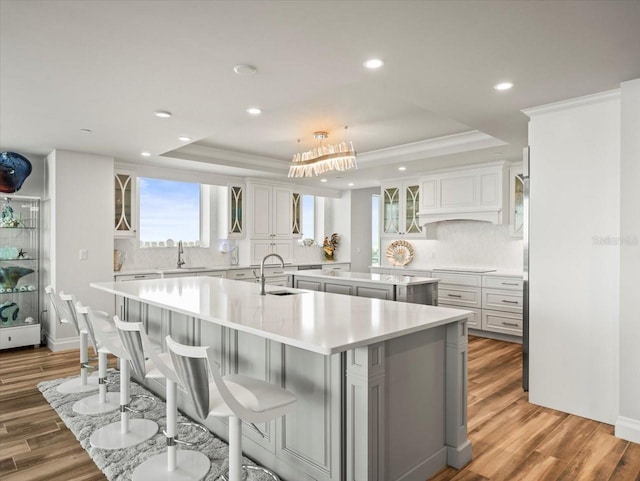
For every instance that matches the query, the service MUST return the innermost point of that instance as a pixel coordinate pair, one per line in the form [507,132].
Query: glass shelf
[20,259]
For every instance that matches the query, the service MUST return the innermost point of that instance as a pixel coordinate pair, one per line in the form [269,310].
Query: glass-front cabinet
[400,210]
[236,210]
[296,214]
[125,198]
[19,271]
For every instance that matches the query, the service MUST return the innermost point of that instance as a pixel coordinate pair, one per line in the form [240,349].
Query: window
[308,217]
[375,229]
[169,210]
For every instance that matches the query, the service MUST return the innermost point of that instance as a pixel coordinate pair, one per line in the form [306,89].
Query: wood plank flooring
[512,439]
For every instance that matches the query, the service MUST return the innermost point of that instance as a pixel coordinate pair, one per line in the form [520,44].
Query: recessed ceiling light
[254,111]
[350,184]
[245,69]
[87,131]
[163,114]
[503,86]
[323,180]
[374,63]
[184,138]
[145,154]
[402,169]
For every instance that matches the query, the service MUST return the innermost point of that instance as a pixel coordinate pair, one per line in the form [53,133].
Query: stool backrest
[193,373]
[139,347]
[69,300]
[193,365]
[61,309]
[97,338]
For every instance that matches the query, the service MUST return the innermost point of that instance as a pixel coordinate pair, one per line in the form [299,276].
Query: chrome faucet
[262,293]
[181,261]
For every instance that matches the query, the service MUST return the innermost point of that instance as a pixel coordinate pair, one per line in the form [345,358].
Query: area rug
[117,465]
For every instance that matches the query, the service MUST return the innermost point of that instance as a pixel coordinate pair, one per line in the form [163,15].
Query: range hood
[477,193]
[494,216]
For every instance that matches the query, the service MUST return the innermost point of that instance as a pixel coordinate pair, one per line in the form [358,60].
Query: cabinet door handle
[512,324]
[454,295]
[240,275]
[509,302]
[140,277]
[510,284]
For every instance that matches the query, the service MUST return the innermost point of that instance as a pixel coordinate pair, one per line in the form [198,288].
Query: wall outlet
[83,254]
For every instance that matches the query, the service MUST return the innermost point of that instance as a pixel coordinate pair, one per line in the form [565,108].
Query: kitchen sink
[283,293]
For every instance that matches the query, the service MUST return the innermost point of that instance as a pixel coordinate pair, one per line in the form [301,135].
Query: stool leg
[128,432]
[84,358]
[235,449]
[172,421]
[83,383]
[102,376]
[102,402]
[124,397]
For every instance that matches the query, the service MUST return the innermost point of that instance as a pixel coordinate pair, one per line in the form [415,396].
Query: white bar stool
[239,398]
[174,464]
[84,383]
[127,432]
[104,401]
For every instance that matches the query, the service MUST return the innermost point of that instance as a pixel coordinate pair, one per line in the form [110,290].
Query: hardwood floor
[512,439]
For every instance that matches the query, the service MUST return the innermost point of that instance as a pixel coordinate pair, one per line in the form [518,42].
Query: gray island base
[381,385]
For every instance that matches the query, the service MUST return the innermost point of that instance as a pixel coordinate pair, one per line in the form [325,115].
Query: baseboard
[628,429]
[62,344]
[427,467]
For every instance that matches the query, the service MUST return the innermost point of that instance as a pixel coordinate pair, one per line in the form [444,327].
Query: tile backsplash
[467,244]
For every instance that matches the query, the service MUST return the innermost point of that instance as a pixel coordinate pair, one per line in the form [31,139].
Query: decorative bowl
[10,275]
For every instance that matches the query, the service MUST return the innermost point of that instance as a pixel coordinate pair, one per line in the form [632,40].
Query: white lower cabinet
[20,336]
[503,322]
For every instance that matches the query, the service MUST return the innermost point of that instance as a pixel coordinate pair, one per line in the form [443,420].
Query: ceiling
[108,65]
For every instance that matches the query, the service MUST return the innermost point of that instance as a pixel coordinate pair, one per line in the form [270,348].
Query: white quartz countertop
[315,321]
[188,269]
[387,279]
[458,270]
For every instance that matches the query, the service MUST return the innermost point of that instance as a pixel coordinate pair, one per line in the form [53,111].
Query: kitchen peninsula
[381,385]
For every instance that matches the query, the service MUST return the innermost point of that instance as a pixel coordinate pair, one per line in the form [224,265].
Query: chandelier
[324,158]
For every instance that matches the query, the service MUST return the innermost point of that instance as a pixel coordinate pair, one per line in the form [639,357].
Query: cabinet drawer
[504,322]
[474,321]
[241,275]
[508,283]
[19,336]
[378,270]
[137,277]
[470,280]
[499,300]
[220,274]
[459,296]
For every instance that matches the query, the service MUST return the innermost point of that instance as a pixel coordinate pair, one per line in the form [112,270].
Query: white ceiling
[108,65]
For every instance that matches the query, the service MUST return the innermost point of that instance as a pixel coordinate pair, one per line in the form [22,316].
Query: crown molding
[572,103]
[424,149]
[229,158]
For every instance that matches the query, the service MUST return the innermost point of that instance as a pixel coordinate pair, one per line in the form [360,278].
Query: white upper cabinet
[270,212]
[477,193]
[125,203]
[400,210]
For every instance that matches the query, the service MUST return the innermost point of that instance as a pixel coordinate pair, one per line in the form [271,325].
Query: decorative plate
[400,253]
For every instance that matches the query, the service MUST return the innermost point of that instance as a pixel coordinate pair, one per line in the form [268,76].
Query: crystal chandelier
[324,158]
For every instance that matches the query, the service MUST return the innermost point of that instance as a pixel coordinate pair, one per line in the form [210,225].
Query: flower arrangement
[329,246]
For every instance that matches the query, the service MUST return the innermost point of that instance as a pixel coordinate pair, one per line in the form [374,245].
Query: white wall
[574,268]
[80,196]
[628,422]
[361,228]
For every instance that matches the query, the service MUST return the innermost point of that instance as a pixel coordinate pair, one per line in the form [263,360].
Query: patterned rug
[117,465]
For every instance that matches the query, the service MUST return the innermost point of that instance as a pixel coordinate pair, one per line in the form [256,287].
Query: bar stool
[127,432]
[174,464]
[239,398]
[104,401]
[84,383]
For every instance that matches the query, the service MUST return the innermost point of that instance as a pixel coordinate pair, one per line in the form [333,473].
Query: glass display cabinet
[19,271]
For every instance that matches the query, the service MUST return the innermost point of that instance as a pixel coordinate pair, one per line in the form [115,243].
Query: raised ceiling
[108,65]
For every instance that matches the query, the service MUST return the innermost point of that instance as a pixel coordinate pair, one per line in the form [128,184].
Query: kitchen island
[381,385]
[420,290]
